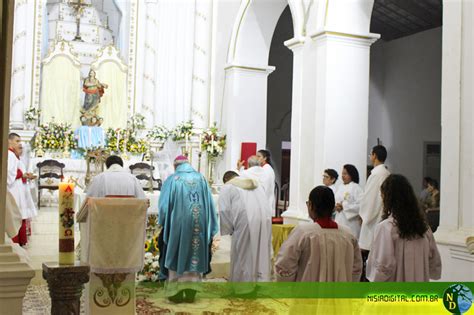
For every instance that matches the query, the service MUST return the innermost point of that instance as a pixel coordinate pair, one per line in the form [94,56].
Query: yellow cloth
[12,216]
[280,233]
[113,104]
[61,92]
[116,234]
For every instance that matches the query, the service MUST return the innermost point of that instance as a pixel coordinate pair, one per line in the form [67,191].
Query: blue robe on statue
[189,221]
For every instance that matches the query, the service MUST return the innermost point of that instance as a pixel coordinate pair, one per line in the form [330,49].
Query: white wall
[457,159]
[405,100]
[224,15]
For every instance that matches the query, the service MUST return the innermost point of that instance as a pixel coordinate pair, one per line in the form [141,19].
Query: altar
[80,197]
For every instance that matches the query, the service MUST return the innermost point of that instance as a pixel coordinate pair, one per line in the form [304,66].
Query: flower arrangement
[136,122]
[126,141]
[213,142]
[158,133]
[52,137]
[151,268]
[32,114]
[183,131]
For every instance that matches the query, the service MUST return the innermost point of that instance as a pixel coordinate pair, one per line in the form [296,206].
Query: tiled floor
[43,246]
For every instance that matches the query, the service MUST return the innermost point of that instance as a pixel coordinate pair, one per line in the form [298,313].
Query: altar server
[115,181]
[17,179]
[321,251]
[189,222]
[348,200]
[244,213]
[404,249]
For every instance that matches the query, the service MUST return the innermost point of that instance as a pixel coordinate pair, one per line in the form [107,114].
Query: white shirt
[18,189]
[265,180]
[271,182]
[371,206]
[115,181]
[349,196]
[244,213]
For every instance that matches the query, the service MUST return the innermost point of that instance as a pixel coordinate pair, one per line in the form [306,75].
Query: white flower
[148,256]
[155,264]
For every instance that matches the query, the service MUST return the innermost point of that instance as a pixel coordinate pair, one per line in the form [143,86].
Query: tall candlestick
[212,144]
[66,224]
[118,141]
[186,145]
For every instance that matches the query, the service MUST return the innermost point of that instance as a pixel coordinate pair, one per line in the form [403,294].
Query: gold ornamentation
[201,15]
[148,46]
[148,77]
[18,99]
[116,294]
[18,69]
[200,49]
[19,3]
[19,35]
[200,80]
[37,40]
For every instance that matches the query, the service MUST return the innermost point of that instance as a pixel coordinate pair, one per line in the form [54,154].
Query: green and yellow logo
[457,299]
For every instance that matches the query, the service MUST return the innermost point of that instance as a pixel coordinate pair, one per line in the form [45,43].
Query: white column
[200,97]
[329,124]
[149,80]
[17,99]
[457,136]
[244,112]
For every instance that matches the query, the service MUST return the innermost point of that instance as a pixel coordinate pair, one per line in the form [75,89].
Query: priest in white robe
[115,181]
[371,202]
[257,172]
[244,213]
[348,200]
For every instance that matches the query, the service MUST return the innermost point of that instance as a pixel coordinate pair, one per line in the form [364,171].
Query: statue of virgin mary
[94,90]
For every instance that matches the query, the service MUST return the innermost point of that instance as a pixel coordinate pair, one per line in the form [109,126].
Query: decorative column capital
[295,43]
[65,285]
[249,68]
[358,39]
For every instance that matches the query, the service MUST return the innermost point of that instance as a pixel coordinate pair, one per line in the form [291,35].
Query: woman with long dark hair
[404,249]
[348,200]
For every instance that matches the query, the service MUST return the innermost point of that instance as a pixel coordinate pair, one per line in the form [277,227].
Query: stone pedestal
[15,276]
[65,286]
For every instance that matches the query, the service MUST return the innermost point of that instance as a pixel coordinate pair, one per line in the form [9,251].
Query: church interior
[317,83]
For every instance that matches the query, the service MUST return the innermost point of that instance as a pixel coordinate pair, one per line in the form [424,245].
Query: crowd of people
[378,233]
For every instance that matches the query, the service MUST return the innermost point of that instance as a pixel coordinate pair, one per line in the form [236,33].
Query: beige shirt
[396,259]
[314,254]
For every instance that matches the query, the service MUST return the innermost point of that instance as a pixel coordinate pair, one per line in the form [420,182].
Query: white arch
[252,35]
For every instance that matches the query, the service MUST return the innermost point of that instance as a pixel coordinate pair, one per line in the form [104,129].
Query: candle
[66,224]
